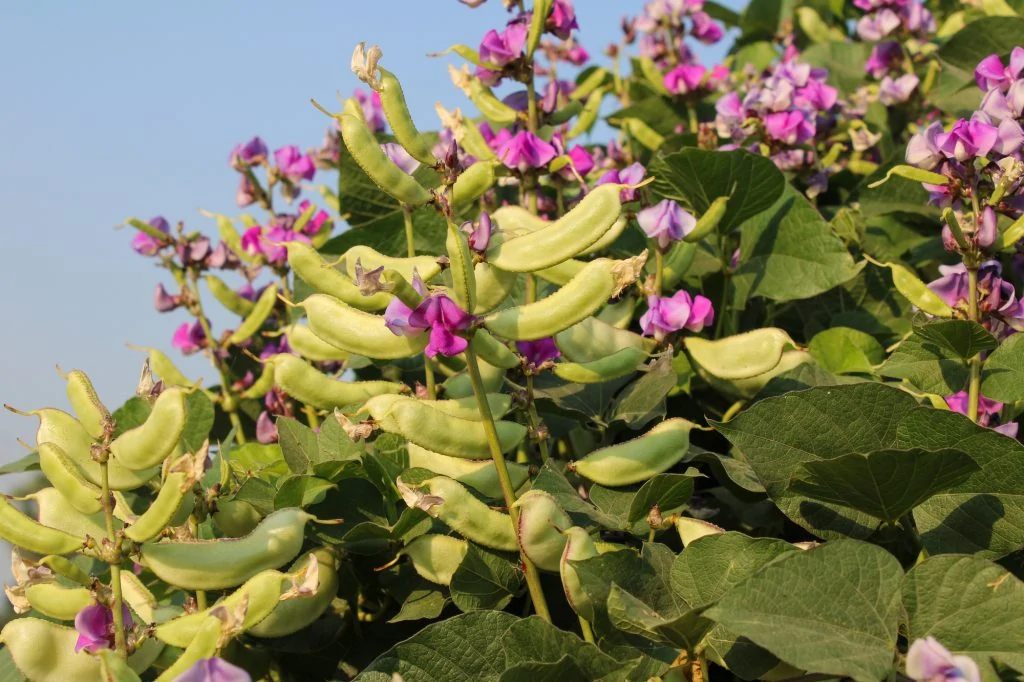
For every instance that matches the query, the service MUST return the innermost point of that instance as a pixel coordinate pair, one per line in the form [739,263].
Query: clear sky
[119,109]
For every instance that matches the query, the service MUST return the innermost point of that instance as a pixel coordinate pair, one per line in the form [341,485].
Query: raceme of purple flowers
[668,314]
[1002,312]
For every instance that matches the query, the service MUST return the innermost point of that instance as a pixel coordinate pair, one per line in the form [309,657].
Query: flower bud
[163,301]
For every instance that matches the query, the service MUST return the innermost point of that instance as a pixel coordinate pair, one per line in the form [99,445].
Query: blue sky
[121,109]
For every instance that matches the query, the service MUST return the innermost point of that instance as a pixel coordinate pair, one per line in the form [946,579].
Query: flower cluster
[501,52]
[663,26]
[887,17]
[1001,312]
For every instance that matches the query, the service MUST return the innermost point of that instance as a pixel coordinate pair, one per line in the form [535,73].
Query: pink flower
[577,55]
[499,49]
[923,149]
[536,353]
[163,301]
[632,174]
[252,240]
[789,127]
[189,338]
[317,222]
[480,233]
[990,72]
[684,78]
[272,245]
[929,661]
[580,160]
[266,429]
[896,91]
[878,25]
[705,29]
[968,139]
[95,625]
[523,151]
[884,56]
[247,154]
[213,670]
[681,311]
[562,19]
[146,245]
[666,222]
[293,164]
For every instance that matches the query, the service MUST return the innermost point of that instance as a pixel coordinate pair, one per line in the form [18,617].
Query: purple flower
[163,301]
[878,25]
[789,127]
[705,29]
[917,19]
[194,251]
[266,429]
[245,195]
[317,222]
[396,315]
[1009,137]
[293,164]
[576,55]
[666,222]
[479,234]
[562,19]
[988,412]
[929,661]
[815,96]
[536,353]
[499,49]
[684,78]
[272,245]
[997,298]
[146,245]
[400,157]
[680,311]
[247,154]
[968,139]
[523,151]
[189,338]
[990,72]
[213,670]
[896,91]
[580,160]
[252,240]
[884,56]
[441,315]
[923,149]
[95,625]
[373,110]
[630,175]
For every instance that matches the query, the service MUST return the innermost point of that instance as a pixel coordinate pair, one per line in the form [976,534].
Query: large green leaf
[833,609]
[843,350]
[480,647]
[698,177]
[485,580]
[198,420]
[979,39]
[885,483]
[930,367]
[971,606]
[634,616]
[844,61]
[789,252]
[1003,378]
[963,337]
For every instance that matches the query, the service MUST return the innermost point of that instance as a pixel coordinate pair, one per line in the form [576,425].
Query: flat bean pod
[292,615]
[92,414]
[56,512]
[917,292]
[427,266]
[150,443]
[561,239]
[468,516]
[58,601]
[472,184]
[492,350]
[26,533]
[228,297]
[480,475]
[613,233]
[541,525]
[303,341]
[64,475]
[676,262]
[514,221]
[263,384]
[254,321]
[358,332]
[578,547]
[223,563]
[581,297]
[236,518]
[748,387]
[460,408]
[396,110]
[162,510]
[461,259]
[588,115]
[561,274]
[165,368]
[619,364]
[307,384]
[740,356]
[205,644]
[709,221]
[638,459]
[436,557]
[466,133]
[317,273]
[493,286]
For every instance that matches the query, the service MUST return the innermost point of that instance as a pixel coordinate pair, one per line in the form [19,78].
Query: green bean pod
[617,365]
[459,408]
[542,523]
[514,221]
[460,257]
[358,332]
[676,262]
[747,387]
[588,115]
[65,568]
[638,459]
[466,133]
[304,260]
[27,533]
[561,239]
[207,642]
[307,384]
[263,384]
[613,233]
[254,321]
[396,110]
[693,529]
[471,185]
[643,133]
[483,98]
[92,414]
[740,356]
[223,563]
[58,601]
[436,557]
[236,518]
[468,516]
[54,511]
[142,601]
[460,386]
[45,652]
[564,114]
[917,292]
[64,475]
[480,475]
[366,152]
[493,287]
[709,221]
[154,440]
[427,266]
[492,350]
[164,368]
[561,274]
[588,85]
[303,341]
[113,668]
[292,615]
[228,297]
[162,510]
[584,294]
[579,546]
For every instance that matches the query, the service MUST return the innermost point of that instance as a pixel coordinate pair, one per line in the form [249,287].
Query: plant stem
[534,419]
[588,632]
[659,262]
[115,569]
[532,576]
[974,383]
[201,600]
[311,418]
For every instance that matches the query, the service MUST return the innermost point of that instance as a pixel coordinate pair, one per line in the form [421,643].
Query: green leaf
[8,671]
[844,61]
[896,195]
[301,491]
[551,480]
[843,350]
[979,39]
[485,580]
[259,494]
[1003,375]
[930,367]
[698,177]
[632,615]
[789,252]
[963,337]
[763,19]
[971,606]
[421,605]
[886,483]
[29,462]
[833,609]
[644,399]
[334,445]
[481,646]
[661,114]
[298,444]
[198,422]
[671,492]
[133,413]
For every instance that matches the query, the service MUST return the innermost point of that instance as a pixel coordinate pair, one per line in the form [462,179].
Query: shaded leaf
[928,366]
[1003,375]
[485,580]
[298,444]
[965,338]
[301,491]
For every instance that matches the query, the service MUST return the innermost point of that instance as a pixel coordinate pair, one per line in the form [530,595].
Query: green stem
[115,569]
[974,383]
[410,238]
[311,418]
[691,114]
[588,632]
[659,264]
[201,600]
[534,419]
[532,576]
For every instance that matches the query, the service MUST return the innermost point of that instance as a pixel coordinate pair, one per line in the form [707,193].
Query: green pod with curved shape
[426,266]
[304,260]
[263,384]
[676,263]
[303,341]
[164,507]
[358,332]
[205,644]
[54,510]
[460,385]
[465,514]
[396,110]
[150,443]
[164,368]
[466,133]
[24,532]
[619,364]
[64,475]
[748,387]
[588,115]
[472,184]
[493,287]
[419,423]
[562,274]
[480,475]
[492,350]
[223,563]
[708,222]
[917,292]
[366,152]
[236,518]
[91,412]
[435,558]
[459,408]
[460,257]
[561,239]
[514,221]
[542,523]
[638,459]
[613,233]
[595,79]
[58,601]
[142,601]
[65,568]
[488,104]
[113,668]
[740,356]
[565,114]
[228,297]
[307,384]
[584,294]
[619,314]
[45,652]
[579,546]
[292,615]
[252,323]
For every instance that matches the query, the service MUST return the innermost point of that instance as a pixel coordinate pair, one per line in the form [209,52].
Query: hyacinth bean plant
[731,391]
